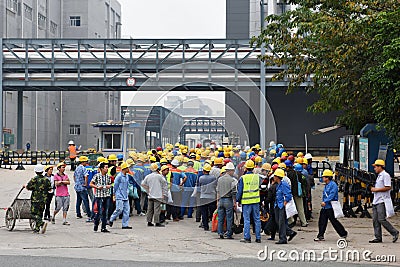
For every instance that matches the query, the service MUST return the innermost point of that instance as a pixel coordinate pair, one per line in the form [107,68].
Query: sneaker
[65,223]
[150,224]
[271,239]
[53,220]
[89,220]
[44,227]
[221,237]
[375,241]
[126,227]
[245,240]
[258,240]
[79,216]
[395,237]
[142,214]
[104,231]
[176,220]
[95,228]
[110,223]
[160,225]
[319,239]
[292,236]
[281,242]
[229,237]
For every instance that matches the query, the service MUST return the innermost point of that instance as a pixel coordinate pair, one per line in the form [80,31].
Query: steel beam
[20,118]
[1,93]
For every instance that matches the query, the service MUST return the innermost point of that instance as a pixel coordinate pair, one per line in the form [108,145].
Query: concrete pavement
[181,242]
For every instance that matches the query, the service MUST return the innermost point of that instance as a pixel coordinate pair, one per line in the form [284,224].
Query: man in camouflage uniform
[39,185]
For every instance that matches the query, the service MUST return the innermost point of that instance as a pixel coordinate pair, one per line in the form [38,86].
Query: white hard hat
[39,168]
[229,166]
[71,143]
[308,156]
[175,162]
[239,147]
[272,143]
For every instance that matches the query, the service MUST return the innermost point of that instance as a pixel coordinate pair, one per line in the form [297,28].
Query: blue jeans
[187,202]
[254,211]
[122,206]
[225,209]
[82,196]
[102,208]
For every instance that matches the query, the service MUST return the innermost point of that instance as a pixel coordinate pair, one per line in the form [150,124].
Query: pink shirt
[61,190]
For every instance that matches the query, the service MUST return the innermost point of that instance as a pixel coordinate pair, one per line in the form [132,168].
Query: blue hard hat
[288,163]
[243,155]
[252,153]
[220,154]
[298,167]
[120,156]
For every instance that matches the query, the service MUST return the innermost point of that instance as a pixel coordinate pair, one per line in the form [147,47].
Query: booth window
[112,141]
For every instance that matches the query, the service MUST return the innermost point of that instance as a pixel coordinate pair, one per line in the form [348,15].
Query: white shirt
[382,181]
[157,184]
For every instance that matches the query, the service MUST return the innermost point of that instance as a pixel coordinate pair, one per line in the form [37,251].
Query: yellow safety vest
[251,189]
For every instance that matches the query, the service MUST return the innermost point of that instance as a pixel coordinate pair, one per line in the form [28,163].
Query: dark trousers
[48,203]
[176,206]
[207,205]
[324,216]
[281,221]
[82,196]
[134,203]
[73,166]
[102,208]
[111,205]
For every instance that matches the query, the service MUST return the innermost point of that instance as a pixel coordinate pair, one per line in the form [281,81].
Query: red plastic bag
[214,222]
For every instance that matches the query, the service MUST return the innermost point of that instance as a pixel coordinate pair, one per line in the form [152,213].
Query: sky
[173,19]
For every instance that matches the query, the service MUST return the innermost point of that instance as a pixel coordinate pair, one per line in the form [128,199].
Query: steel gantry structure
[105,64]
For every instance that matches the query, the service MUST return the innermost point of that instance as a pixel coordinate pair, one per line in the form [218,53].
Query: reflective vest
[251,189]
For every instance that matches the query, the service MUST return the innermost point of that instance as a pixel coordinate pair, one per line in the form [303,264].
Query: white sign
[131,81]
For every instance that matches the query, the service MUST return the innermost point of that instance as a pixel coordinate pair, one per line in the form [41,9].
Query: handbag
[290,209]
[337,209]
[237,227]
[389,207]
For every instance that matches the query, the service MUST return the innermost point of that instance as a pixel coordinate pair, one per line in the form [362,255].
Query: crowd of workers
[176,181]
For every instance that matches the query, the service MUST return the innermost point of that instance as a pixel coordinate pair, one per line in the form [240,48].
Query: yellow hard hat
[220,149]
[379,162]
[282,165]
[218,161]
[124,165]
[59,165]
[100,159]
[284,154]
[261,153]
[257,146]
[249,164]
[227,154]
[163,160]
[305,161]
[258,159]
[299,160]
[164,167]
[130,162]
[83,159]
[300,155]
[327,173]
[181,147]
[266,166]
[207,167]
[185,159]
[154,167]
[204,154]
[272,152]
[277,160]
[198,157]
[112,157]
[153,159]
[177,144]
[280,173]
[149,153]
[223,170]
[48,167]
[184,151]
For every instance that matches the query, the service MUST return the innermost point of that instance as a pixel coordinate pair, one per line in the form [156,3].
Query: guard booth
[118,137]
[361,151]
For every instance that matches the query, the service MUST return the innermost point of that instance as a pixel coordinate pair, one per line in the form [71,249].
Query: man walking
[208,194]
[61,181]
[102,183]
[283,196]
[381,192]
[39,185]
[121,184]
[157,190]
[249,196]
[226,193]
[81,181]
[330,194]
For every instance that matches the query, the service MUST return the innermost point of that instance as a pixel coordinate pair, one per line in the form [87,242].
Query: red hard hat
[291,158]
[159,148]
[283,158]
[253,158]
[274,167]
[198,145]
[227,160]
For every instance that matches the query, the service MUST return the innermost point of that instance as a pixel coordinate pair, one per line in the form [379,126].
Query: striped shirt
[102,180]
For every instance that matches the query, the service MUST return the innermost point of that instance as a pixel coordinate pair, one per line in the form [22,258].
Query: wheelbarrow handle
[22,188]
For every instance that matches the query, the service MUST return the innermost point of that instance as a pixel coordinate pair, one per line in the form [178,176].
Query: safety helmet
[130,162]
[291,158]
[277,160]
[164,168]
[112,157]
[185,159]
[153,159]
[299,160]
[48,167]
[207,167]
[288,163]
[120,156]
[379,162]
[327,173]
[282,165]
[39,168]
[266,166]
[249,164]
[279,173]
[305,161]
[83,159]
[159,148]
[192,155]
[285,154]
[100,159]
[272,152]
[258,159]
[61,164]
[227,160]
[218,161]
[243,155]
[198,157]
[71,143]
[175,163]
[229,166]
[300,154]
[154,167]
[308,156]
[223,170]
[124,165]
[198,145]
[163,161]
[298,167]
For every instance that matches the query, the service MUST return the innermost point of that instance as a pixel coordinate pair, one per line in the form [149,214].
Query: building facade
[51,119]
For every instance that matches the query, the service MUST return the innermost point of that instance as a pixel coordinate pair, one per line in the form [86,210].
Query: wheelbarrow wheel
[10,219]
[32,224]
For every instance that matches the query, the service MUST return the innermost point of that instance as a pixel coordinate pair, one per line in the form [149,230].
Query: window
[28,12]
[12,5]
[75,21]
[41,21]
[112,141]
[112,17]
[74,129]
[53,28]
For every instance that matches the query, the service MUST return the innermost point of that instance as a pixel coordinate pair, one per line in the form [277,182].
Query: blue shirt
[330,194]
[80,174]
[176,177]
[139,173]
[121,186]
[283,193]
[190,181]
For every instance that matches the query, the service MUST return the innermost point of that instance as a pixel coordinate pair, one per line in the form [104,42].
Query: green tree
[335,45]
